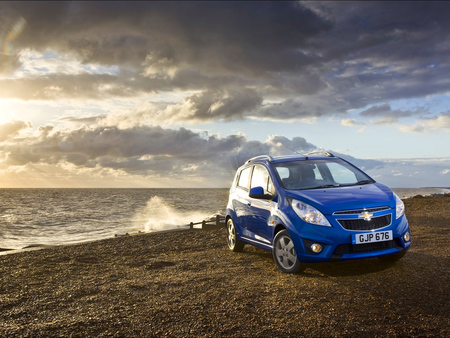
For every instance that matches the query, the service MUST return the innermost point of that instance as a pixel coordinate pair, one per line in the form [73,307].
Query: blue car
[314,208]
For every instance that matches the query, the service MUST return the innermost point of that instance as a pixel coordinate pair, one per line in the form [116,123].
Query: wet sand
[188,284]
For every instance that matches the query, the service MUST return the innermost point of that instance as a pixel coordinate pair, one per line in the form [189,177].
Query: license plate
[372,237]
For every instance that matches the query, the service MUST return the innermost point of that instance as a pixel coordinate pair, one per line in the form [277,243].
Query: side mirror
[258,192]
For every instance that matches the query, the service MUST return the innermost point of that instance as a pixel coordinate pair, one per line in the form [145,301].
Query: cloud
[165,156]
[214,105]
[410,173]
[441,122]
[428,125]
[207,34]
[377,53]
[348,122]
[364,164]
[306,111]
[11,129]
[63,86]
[142,149]
[386,115]
[8,63]
[84,120]
[353,123]
[276,61]
[316,58]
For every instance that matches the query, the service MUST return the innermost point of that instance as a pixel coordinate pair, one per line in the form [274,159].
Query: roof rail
[328,154]
[260,157]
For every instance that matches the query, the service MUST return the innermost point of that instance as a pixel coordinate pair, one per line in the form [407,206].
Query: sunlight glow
[35,63]
[8,36]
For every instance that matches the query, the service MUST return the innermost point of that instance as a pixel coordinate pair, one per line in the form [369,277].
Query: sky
[179,94]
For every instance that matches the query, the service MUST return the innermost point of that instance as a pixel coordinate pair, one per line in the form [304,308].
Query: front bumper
[337,243]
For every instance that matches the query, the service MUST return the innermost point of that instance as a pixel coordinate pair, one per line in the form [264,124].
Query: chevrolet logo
[366,215]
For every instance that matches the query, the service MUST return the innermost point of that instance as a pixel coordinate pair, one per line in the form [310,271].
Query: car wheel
[234,244]
[284,253]
[392,258]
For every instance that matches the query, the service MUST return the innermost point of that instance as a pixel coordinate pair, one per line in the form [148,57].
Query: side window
[261,178]
[243,178]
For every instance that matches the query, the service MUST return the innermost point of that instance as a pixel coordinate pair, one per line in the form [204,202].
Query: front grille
[359,248]
[362,224]
[359,211]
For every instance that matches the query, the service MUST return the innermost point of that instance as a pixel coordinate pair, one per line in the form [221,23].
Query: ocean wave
[40,217]
[159,215]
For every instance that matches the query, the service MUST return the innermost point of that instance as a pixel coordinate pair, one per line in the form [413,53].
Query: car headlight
[308,213]
[399,207]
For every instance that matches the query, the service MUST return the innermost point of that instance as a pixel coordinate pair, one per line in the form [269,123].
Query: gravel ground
[188,284]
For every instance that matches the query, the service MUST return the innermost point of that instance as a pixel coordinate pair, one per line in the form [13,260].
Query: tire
[392,258]
[234,244]
[284,253]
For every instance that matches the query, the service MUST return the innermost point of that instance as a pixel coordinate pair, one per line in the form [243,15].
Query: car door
[241,203]
[260,210]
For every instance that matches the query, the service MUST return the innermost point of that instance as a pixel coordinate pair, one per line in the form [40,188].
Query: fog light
[316,248]
[406,237]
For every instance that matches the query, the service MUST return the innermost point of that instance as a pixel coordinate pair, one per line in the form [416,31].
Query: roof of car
[294,157]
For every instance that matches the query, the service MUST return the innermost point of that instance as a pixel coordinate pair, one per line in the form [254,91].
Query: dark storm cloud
[374,27]
[214,47]
[316,58]
[193,32]
[379,51]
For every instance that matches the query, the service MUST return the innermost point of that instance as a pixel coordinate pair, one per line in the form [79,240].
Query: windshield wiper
[326,186]
[364,182]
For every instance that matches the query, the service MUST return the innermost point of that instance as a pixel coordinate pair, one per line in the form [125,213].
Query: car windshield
[315,174]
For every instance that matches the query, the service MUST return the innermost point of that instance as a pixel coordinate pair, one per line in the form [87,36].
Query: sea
[31,218]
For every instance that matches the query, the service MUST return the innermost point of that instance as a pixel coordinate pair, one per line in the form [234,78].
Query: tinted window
[243,178]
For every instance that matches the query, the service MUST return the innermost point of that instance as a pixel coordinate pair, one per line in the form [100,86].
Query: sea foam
[159,215]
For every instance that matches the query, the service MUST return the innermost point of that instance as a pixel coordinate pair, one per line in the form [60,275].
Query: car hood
[330,200]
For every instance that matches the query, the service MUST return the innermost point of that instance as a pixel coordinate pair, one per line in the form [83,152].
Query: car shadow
[329,269]
[346,268]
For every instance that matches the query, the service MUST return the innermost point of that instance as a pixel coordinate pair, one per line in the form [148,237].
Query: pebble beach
[188,284]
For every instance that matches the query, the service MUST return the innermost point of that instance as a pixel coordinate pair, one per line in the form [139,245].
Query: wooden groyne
[209,224]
